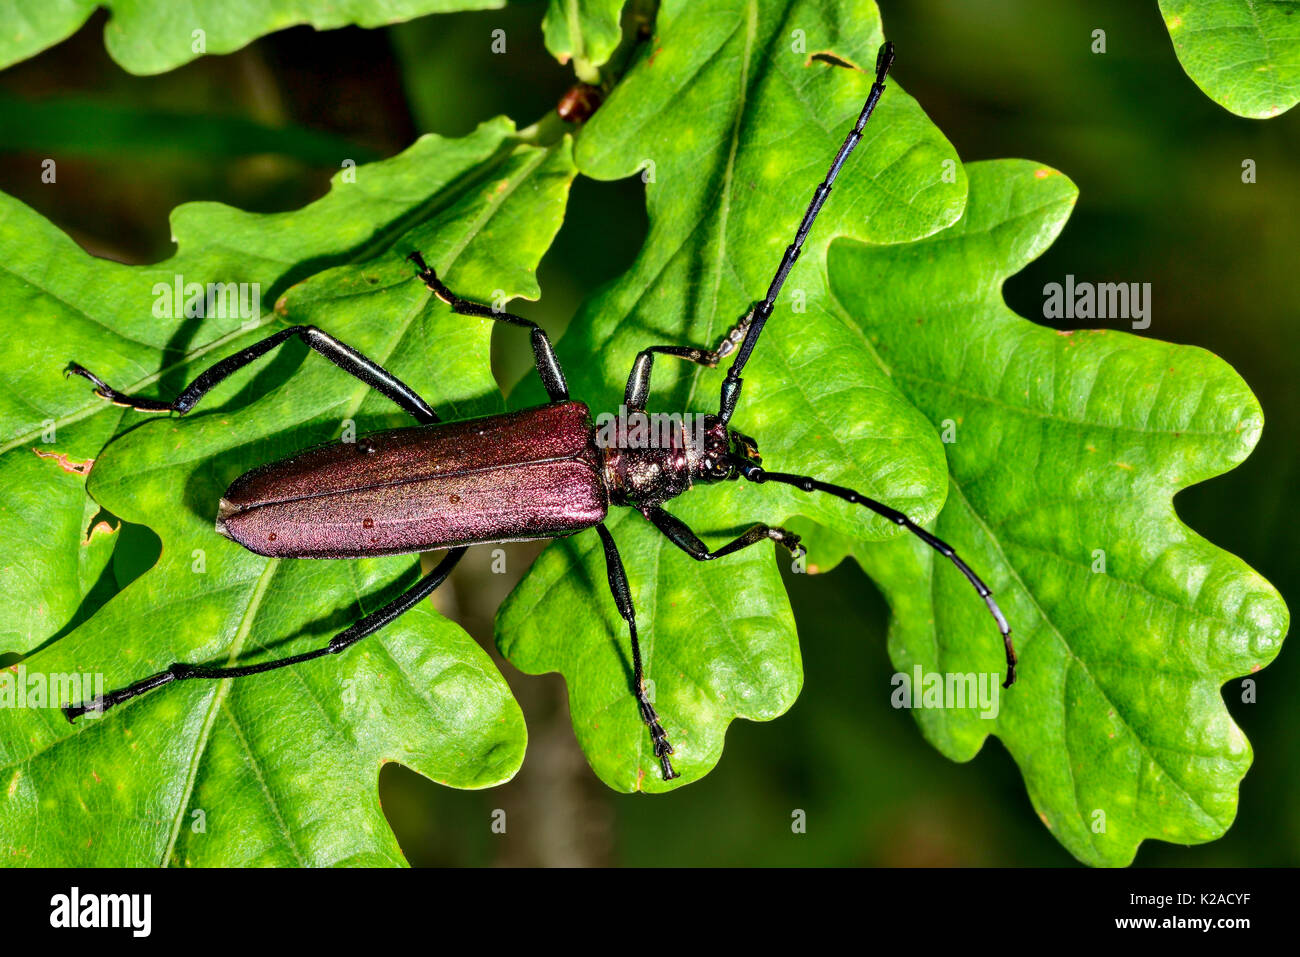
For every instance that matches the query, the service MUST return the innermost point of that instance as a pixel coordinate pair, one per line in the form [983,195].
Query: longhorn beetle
[533,474]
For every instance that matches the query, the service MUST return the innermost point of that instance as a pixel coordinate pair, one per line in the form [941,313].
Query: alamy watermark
[133,912]
[941,690]
[1100,300]
[215,300]
[649,430]
[38,689]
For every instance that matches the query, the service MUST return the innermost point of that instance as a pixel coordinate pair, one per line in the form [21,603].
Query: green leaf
[77,306]
[734,123]
[153,36]
[718,641]
[1244,54]
[585,31]
[1069,448]
[284,765]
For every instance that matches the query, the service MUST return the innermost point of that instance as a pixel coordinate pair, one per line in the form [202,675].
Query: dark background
[1159,170]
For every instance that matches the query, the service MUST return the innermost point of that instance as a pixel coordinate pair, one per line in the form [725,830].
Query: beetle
[538,473]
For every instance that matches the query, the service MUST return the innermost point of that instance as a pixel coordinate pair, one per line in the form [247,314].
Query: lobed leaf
[733,120]
[282,767]
[1243,54]
[1069,448]
[73,305]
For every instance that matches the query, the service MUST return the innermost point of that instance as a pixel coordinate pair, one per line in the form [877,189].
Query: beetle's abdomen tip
[224,511]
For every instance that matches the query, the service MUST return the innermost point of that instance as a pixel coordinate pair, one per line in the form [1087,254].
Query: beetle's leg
[623,599]
[342,355]
[680,535]
[638,380]
[548,365]
[367,625]
[756,474]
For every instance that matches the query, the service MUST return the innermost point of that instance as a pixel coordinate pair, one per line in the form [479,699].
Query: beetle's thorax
[652,457]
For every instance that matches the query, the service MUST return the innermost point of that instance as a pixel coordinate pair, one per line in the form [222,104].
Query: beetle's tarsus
[423,271]
[735,335]
[109,394]
[658,736]
[422,268]
[74,711]
[884,60]
[430,278]
[96,705]
[791,542]
[74,368]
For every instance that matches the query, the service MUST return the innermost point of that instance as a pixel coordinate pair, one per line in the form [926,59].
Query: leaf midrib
[223,688]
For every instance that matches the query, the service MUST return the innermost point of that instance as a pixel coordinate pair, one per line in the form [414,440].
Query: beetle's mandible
[534,474]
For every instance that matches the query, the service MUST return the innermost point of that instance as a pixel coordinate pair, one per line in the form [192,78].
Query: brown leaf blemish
[834,59]
[99,528]
[74,468]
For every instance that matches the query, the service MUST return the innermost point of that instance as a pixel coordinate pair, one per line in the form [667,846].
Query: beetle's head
[743,453]
[724,453]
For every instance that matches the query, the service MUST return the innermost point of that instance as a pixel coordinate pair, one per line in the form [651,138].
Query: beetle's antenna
[732,383]
[755,473]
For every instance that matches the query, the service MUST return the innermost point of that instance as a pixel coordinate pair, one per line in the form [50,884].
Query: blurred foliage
[152,36]
[585,32]
[1162,200]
